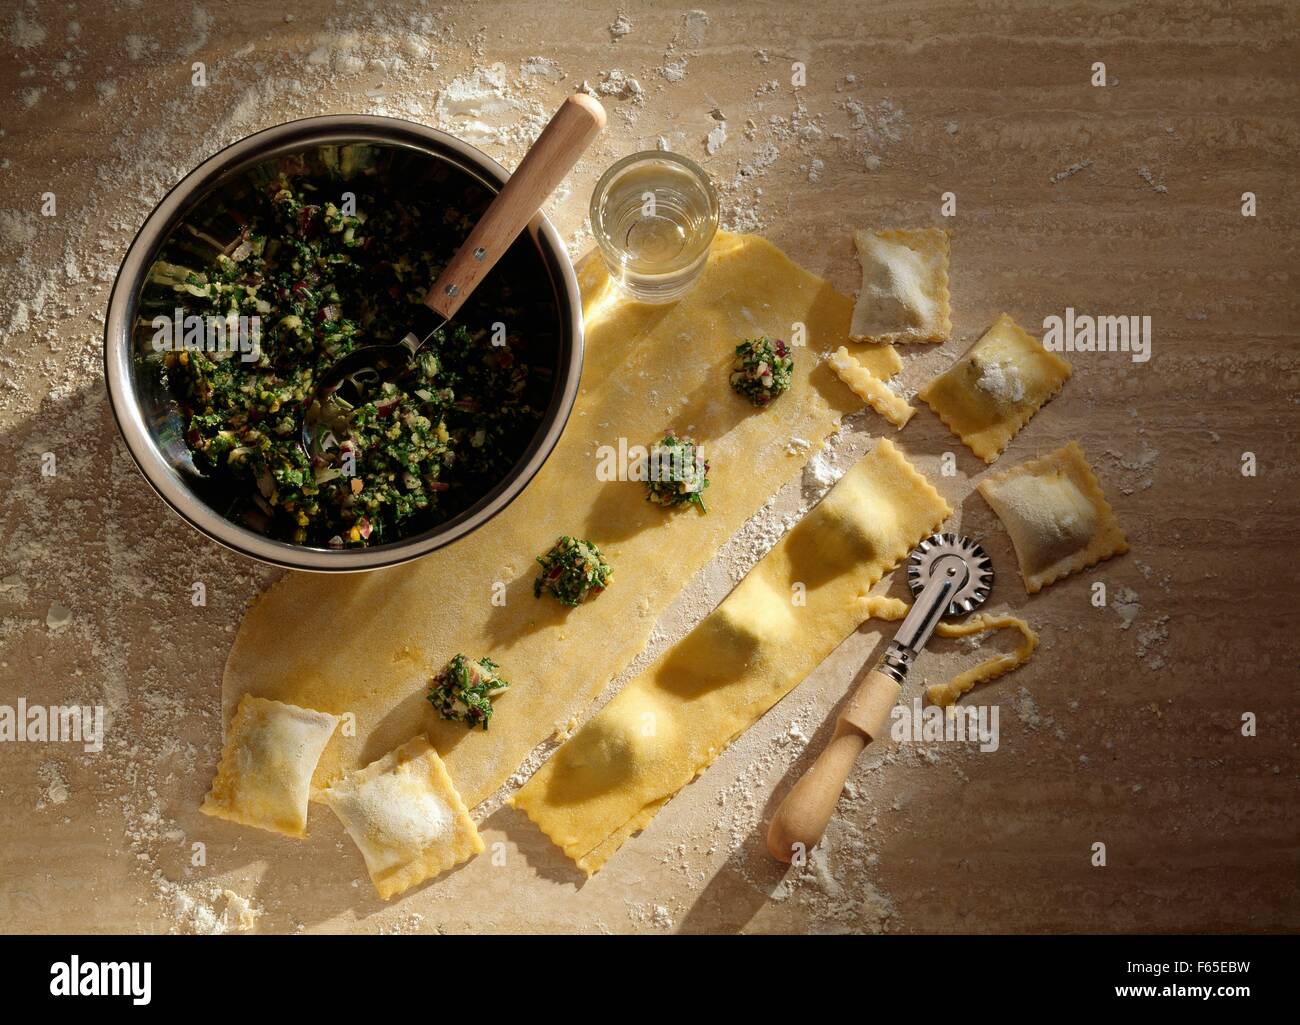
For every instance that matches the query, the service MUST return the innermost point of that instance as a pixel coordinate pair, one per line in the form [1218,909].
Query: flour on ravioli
[904,293]
[264,776]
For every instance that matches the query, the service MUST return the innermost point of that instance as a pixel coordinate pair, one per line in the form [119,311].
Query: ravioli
[989,394]
[264,776]
[1058,518]
[668,725]
[405,817]
[904,294]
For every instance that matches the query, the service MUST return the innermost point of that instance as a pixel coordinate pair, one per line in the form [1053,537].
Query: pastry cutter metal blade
[950,576]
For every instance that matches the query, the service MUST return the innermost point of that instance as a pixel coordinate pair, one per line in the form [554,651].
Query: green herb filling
[572,571]
[464,690]
[677,474]
[761,370]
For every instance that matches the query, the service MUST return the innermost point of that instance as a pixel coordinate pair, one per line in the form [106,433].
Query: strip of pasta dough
[871,389]
[792,609]
[944,694]
[367,643]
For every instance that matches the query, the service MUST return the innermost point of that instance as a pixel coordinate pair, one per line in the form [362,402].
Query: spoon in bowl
[563,140]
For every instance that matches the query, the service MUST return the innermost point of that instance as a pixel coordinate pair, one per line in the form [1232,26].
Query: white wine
[654,215]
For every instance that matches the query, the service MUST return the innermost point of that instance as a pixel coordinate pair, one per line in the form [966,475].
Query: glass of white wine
[654,215]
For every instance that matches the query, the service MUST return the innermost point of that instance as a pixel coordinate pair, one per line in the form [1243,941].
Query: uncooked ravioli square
[989,394]
[264,776]
[904,294]
[1058,518]
[405,816]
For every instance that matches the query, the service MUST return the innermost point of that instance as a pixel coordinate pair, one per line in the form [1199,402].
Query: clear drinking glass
[654,215]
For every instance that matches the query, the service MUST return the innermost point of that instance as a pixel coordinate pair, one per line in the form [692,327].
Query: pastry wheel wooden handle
[802,817]
[551,157]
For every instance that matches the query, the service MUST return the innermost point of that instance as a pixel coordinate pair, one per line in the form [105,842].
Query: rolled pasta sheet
[794,607]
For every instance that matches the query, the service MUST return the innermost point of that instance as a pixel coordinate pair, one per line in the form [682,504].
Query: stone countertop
[1124,199]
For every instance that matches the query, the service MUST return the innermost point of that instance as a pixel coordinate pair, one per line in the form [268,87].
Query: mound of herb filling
[464,690]
[572,571]
[761,370]
[324,282]
[677,473]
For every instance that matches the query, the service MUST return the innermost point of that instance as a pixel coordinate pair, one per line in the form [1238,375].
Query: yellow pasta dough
[999,665]
[904,294]
[944,694]
[993,390]
[871,389]
[1056,514]
[792,609]
[367,643]
[264,776]
[405,817]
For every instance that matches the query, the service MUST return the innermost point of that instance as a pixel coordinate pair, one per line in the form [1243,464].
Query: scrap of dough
[793,608]
[264,776]
[405,817]
[944,694]
[871,389]
[904,294]
[368,643]
[1058,518]
[989,394]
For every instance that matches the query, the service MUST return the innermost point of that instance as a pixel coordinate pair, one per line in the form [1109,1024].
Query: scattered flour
[58,617]
[25,34]
[1125,604]
[1145,174]
[620,27]
[619,85]
[1027,709]
[207,909]
[1069,172]
[480,107]
[673,71]
[695,25]
[716,137]
[875,128]
[657,915]
[1150,638]
[56,787]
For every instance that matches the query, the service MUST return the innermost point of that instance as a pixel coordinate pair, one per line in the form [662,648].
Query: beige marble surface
[1117,200]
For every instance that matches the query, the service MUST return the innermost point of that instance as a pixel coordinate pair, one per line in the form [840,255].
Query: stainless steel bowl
[147,416]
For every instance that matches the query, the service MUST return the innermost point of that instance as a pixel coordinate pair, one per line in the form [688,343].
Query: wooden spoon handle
[802,817]
[551,157]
